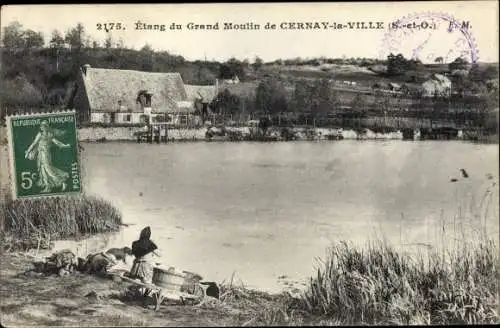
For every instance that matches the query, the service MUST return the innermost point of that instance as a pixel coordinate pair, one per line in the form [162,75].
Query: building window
[144,98]
[128,118]
[144,119]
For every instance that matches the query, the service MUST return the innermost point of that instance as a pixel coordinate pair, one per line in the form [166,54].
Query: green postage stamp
[44,157]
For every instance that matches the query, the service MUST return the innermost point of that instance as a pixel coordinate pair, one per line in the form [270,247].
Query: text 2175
[109,26]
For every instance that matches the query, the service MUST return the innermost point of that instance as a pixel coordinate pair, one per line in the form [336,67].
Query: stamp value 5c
[44,155]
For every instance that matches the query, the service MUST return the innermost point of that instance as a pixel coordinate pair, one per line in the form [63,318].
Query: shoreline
[352,279]
[30,298]
[284,134]
[87,300]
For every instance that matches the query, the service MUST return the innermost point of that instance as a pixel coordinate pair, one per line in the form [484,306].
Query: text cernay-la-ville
[358,25]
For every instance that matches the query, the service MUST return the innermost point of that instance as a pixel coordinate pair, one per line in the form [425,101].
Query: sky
[426,44]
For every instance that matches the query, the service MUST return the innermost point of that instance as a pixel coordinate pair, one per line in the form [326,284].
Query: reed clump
[256,308]
[454,282]
[34,222]
[380,285]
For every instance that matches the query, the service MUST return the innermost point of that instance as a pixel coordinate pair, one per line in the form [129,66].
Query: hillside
[44,77]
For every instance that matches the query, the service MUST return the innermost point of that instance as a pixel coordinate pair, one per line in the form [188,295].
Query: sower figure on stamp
[49,176]
[144,249]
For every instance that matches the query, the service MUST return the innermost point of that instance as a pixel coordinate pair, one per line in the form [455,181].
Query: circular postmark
[430,37]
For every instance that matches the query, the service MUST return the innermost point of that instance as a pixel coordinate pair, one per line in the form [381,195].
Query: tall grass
[456,282]
[380,285]
[55,218]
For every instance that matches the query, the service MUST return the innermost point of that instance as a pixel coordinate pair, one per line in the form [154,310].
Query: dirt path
[30,300]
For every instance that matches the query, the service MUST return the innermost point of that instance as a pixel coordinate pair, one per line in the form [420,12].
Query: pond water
[263,210]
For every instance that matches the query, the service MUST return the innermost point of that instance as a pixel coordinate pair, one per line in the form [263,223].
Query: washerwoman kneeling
[144,251]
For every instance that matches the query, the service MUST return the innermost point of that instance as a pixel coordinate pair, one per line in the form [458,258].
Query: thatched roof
[206,93]
[105,87]
[185,106]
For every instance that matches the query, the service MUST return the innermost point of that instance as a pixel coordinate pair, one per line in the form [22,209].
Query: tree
[13,35]
[396,65]
[33,39]
[263,97]
[439,60]
[257,64]
[302,97]
[88,42]
[120,44]
[231,68]
[324,97]
[226,103]
[108,42]
[458,63]
[75,37]
[147,48]
[318,98]
[381,102]
[57,40]
[271,97]
[20,92]
[358,103]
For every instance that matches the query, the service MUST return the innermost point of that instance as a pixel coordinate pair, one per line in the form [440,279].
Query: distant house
[394,86]
[234,80]
[437,86]
[126,96]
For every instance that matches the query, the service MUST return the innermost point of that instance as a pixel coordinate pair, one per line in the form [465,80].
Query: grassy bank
[456,282]
[376,285]
[380,285]
[35,222]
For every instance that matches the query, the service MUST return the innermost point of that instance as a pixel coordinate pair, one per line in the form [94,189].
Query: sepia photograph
[250,164]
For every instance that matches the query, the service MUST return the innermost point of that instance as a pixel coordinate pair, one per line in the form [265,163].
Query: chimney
[84,69]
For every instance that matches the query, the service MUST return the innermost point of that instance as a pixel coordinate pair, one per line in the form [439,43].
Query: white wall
[135,117]
[110,133]
[127,133]
[132,118]
[99,117]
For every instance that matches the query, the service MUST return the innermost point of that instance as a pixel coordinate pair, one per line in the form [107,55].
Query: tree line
[36,74]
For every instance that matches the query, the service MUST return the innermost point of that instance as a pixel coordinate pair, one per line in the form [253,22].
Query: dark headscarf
[144,245]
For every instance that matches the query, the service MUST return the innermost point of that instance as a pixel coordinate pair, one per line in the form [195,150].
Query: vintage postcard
[260,164]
